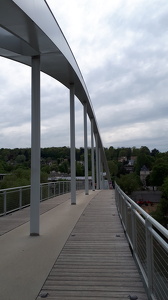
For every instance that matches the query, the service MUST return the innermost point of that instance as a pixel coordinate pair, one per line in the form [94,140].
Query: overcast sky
[121,47]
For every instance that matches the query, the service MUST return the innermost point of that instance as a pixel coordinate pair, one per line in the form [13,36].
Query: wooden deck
[95,262]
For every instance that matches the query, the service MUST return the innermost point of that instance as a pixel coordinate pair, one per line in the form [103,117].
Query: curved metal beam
[28,28]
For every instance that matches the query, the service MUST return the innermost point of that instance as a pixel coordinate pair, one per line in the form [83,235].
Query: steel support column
[100,170]
[97,163]
[85,148]
[72,144]
[35,147]
[92,155]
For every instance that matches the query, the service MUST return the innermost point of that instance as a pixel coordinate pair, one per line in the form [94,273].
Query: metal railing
[13,199]
[148,241]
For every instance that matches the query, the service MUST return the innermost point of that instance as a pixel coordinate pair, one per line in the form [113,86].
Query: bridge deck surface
[81,253]
[95,262]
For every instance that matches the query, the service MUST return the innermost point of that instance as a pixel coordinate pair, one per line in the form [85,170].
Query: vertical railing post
[20,198]
[133,229]
[48,191]
[92,156]
[125,215]
[4,193]
[85,148]
[97,163]
[54,189]
[35,148]
[149,254]
[100,171]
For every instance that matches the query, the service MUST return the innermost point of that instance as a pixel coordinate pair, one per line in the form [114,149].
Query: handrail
[143,213]
[148,242]
[16,198]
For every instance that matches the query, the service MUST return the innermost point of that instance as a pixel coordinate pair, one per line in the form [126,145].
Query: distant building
[122,159]
[2,176]
[144,172]
[129,168]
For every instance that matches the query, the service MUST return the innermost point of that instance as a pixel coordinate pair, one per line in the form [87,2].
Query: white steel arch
[29,30]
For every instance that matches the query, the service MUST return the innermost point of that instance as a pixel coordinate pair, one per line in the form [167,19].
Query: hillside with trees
[125,165]
[129,176]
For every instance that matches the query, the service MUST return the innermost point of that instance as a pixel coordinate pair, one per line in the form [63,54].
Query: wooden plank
[95,262]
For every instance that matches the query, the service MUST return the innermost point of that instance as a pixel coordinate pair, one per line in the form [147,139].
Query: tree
[129,183]
[159,173]
[143,159]
[19,177]
[79,169]
[144,150]
[113,168]
[2,167]
[123,152]
[64,167]
[154,152]
[20,158]
[135,151]
[161,213]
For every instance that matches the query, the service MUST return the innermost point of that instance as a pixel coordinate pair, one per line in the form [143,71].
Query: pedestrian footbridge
[86,244]
[103,247]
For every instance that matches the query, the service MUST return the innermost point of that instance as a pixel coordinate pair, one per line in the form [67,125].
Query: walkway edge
[25,261]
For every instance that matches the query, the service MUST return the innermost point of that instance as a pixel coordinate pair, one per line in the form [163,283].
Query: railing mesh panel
[160,271]
[141,244]
[12,200]
[25,197]
[1,204]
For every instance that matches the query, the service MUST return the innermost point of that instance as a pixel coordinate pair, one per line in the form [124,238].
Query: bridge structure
[105,247]
[36,41]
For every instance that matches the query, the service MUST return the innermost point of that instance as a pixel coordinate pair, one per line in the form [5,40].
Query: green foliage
[143,159]
[129,183]
[161,213]
[113,168]
[155,152]
[2,166]
[58,159]
[20,158]
[64,167]
[144,150]
[19,177]
[159,172]
[43,177]
[79,169]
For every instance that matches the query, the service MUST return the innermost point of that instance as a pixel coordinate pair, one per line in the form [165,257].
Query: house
[144,172]
[122,159]
[2,176]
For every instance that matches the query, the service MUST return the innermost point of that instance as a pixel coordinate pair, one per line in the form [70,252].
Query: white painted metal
[72,145]
[148,241]
[48,190]
[92,156]
[85,148]
[28,29]
[35,148]
[97,164]
[35,35]
[100,171]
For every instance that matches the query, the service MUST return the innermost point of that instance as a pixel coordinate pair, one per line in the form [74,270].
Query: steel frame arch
[25,34]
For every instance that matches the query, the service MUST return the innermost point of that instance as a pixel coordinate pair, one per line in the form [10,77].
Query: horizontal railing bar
[148,240]
[156,224]
[21,194]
